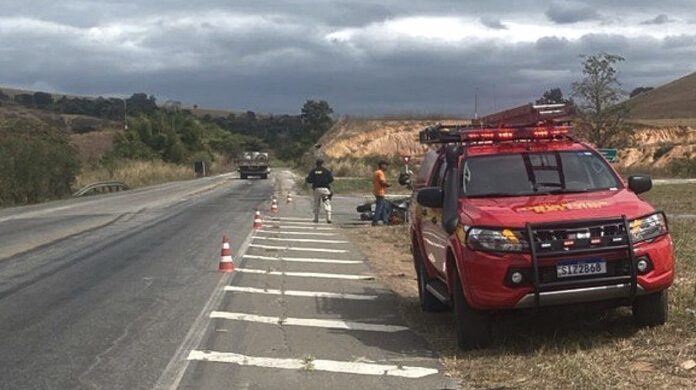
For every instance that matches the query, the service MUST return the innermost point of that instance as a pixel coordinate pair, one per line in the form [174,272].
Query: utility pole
[476,103]
[125,113]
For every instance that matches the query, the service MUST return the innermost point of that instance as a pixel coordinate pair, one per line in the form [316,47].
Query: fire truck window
[536,173]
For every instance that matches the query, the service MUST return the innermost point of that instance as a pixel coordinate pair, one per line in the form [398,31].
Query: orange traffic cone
[289,199]
[274,205]
[226,263]
[258,223]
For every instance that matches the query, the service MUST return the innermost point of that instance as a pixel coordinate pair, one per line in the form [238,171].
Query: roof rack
[529,115]
[528,122]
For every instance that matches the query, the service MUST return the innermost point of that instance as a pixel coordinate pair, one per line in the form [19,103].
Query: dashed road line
[300,227]
[318,234]
[309,322]
[296,293]
[295,248]
[296,223]
[313,240]
[314,365]
[306,274]
[302,259]
[296,219]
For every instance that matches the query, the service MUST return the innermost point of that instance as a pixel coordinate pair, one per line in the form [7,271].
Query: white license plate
[581,268]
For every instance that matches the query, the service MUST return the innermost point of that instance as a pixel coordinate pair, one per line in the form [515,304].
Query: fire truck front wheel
[473,327]
[428,301]
[651,310]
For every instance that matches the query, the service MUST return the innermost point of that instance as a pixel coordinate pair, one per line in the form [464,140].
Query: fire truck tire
[651,310]
[428,301]
[243,176]
[473,327]
[264,177]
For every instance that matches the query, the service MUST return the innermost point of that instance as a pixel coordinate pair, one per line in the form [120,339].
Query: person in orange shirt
[379,186]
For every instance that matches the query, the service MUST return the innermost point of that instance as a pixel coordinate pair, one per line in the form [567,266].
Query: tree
[316,119]
[42,100]
[554,96]
[600,114]
[140,103]
[639,90]
[25,100]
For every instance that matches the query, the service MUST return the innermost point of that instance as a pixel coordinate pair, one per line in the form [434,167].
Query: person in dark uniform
[321,178]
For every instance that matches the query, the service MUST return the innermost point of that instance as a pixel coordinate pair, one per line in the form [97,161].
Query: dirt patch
[577,347]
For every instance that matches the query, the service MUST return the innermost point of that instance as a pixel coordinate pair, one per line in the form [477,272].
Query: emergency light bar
[528,122]
[444,134]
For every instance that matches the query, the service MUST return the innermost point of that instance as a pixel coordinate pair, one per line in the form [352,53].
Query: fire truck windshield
[523,174]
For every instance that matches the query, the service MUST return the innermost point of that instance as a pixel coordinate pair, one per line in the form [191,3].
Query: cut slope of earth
[360,138]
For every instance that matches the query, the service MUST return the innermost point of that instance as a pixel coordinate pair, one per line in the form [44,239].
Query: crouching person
[321,178]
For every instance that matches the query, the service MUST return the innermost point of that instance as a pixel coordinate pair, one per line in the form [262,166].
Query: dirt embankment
[360,138]
[657,147]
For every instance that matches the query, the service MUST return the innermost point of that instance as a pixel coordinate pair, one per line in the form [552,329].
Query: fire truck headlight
[647,228]
[494,240]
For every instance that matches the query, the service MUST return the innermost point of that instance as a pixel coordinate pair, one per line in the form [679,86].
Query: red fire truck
[513,213]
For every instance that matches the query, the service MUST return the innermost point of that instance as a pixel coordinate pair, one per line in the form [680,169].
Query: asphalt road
[104,289]
[122,292]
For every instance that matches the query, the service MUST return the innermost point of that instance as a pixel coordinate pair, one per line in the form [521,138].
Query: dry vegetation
[136,173]
[676,99]
[563,347]
[92,146]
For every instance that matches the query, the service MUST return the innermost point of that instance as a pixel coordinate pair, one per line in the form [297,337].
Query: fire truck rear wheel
[473,327]
[651,310]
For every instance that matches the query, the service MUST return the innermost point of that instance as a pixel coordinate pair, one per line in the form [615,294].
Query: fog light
[642,265]
[516,277]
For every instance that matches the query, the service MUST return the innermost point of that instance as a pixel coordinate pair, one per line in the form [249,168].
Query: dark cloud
[659,19]
[493,23]
[571,12]
[270,56]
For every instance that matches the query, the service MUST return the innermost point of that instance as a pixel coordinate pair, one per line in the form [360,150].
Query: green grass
[673,198]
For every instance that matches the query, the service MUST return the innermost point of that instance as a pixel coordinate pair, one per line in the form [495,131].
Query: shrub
[37,163]
[662,149]
[683,167]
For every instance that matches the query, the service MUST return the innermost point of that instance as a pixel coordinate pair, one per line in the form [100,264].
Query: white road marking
[302,259]
[306,274]
[296,293]
[318,241]
[314,365]
[296,233]
[309,322]
[299,227]
[296,223]
[295,248]
[290,219]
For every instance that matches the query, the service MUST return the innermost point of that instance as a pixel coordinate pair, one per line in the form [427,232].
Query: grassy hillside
[675,100]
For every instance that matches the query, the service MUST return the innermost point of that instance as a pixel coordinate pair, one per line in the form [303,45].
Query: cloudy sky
[364,57]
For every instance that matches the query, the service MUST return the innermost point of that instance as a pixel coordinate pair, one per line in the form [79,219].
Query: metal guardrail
[101,188]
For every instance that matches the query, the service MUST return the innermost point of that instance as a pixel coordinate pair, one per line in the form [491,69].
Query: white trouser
[321,196]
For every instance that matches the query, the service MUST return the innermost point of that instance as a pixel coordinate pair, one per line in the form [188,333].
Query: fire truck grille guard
[582,239]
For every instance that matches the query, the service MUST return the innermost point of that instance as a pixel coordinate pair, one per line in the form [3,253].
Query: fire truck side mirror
[639,183]
[430,197]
